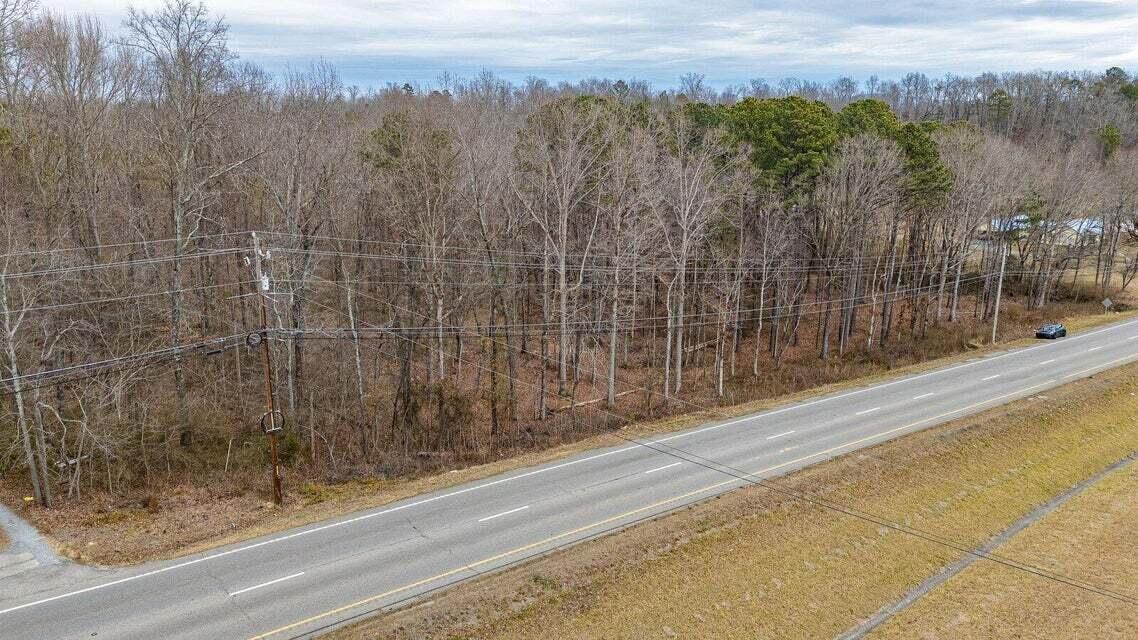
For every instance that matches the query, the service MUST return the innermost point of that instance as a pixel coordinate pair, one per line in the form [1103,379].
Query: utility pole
[273,429]
[999,292]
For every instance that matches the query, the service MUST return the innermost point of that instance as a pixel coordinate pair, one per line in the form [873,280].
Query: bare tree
[853,196]
[690,170]
[561,163]
[187,73]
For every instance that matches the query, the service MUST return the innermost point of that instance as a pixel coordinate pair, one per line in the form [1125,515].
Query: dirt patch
[750,565]
[103,529]
[1090,538]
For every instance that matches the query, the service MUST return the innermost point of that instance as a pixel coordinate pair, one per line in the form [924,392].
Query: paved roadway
[303,581]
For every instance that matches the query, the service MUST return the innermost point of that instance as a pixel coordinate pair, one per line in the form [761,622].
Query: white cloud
[730,40]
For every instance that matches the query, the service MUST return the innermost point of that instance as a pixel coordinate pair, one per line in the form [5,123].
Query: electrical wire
[532,329]
[123,263]
[536,254]
[135,296]
[830,505]
[49,377]
[481,262]
[134,243]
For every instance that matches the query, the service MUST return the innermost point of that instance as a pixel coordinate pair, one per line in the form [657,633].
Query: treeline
[480,268]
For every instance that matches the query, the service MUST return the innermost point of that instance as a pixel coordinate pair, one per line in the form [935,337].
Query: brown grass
[1090,538]
[110,530]
[753,565]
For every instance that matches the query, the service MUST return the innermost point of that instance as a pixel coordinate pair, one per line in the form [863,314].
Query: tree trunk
[612,340]
[679,332]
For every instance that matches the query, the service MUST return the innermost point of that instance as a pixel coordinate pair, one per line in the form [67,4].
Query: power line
[517,329]
[134,243]
[135,296]
[537,254]
[90,369]
[994,557]
[350,333]
[597,268]
[122,263]
[749,478]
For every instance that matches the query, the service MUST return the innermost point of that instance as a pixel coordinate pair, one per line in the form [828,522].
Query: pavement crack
[233,602]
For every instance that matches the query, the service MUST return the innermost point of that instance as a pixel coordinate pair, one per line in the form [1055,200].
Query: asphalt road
[305,580]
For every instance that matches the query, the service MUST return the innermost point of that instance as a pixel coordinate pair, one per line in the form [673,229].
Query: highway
[303,581]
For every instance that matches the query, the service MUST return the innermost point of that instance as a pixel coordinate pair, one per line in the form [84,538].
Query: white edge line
[504,513]
[265,584]
[667,466]
[375,514]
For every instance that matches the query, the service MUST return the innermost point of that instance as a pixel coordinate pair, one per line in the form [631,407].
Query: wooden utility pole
[272,429]
[999,292]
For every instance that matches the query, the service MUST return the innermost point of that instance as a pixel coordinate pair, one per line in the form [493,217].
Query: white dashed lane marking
[504,513]
[265,584]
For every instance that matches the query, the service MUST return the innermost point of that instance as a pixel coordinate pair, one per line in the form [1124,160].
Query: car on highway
[1051,331]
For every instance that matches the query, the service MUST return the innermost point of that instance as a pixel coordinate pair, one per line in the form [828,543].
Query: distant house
[1075,232]
[1080,231]
[997,227]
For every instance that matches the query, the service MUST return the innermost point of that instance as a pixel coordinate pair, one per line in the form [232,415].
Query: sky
[373,43]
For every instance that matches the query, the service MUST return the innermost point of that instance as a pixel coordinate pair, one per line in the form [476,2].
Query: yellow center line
[472,566]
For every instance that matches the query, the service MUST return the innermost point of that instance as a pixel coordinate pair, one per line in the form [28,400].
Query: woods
[479,268]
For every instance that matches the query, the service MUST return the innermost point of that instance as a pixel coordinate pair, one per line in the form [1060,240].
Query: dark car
[1051,331]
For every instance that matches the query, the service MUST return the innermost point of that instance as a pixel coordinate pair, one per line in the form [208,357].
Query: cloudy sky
[374,42]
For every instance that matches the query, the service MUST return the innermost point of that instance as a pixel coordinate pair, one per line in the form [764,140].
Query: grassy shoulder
[1089,538]
[106,530]
[752,564]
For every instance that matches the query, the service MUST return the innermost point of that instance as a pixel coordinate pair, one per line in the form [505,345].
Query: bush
[288,448]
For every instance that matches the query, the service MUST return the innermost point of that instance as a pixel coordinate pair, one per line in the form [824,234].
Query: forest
[455,273]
